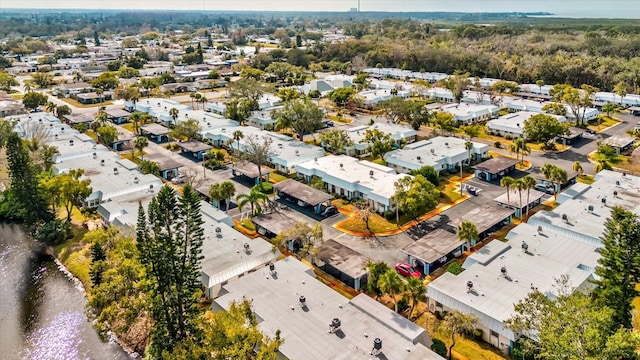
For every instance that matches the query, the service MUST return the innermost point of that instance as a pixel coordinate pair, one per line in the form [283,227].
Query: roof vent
[102,162]
[136,180]
[419,158]
[446,144]
[565,217]
[604,200]
[95,155]
[433,151]
[525,247]
[617,182]
[590,208]
[341,166]
[371,173]
[115,170]
[377,346]
[469,285]
[503,271]
[71,142]
[247,247]
[334,325]
[315,159]
[272,268]
[297,153]
[615,193]
[55,136]
[303,301]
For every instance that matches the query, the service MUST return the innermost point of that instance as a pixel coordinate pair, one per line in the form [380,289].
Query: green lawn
[79,105]
[277,177]
[585,179]
[128,127]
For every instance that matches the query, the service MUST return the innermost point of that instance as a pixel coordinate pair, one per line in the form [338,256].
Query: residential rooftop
[305,330]
[493,292]
[437,152]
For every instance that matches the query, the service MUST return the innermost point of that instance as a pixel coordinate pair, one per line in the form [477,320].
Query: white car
[178,179]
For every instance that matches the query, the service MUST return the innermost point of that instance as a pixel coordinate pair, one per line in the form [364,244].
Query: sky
[568,8]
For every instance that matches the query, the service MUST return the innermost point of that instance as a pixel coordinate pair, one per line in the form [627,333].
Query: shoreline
[111,337]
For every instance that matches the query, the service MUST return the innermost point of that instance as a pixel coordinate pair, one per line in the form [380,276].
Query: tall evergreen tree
[170,240]
[24,183]
[619,268]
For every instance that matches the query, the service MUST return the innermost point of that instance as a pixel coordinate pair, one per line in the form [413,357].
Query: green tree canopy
[185,130]
[32,99]
[420,196]
[335,140]
[544,128]
[302,114]
[379,142]
[341,96]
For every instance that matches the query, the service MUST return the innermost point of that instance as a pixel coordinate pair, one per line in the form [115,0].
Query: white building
[400,134]
[442,153]
[489,293]
[565,241]
[291,302]
[354,179]
[158,108]
[286,152]
[466,113]
[525,105]
[535,89]
[513,124]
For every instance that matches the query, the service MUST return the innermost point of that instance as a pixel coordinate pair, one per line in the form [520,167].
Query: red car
[407,270]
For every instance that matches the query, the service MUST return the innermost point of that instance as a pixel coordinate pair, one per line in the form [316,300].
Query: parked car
[178,179]
[407,270]
[547,189]
[330,210]
[590,132]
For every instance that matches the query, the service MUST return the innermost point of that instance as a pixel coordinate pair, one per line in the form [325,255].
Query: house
[110,176]
[525,105]
[93,97]
[439,94]
[303,195]
[466,113]
[156,132]
[328,84]
[442,153]
[317,322]
[118,116]
[9,106]
[158,108]
[354,179]
[262,119]
[620,143]
[74,88]
[584,208]
[400,134]
[286,152]
[513,124]
[500,274]
[343,263]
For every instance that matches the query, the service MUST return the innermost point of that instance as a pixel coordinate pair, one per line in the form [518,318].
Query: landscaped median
[523,165]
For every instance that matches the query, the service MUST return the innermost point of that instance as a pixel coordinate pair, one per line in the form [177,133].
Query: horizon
[568,8]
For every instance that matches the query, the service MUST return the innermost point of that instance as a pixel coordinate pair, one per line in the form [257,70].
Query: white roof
[514,123]
[492,299]
[355,172]
[465,111]
[275,300]
[434,152]
[586,224]
[397,132]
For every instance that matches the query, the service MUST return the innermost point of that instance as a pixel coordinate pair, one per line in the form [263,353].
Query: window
[493,333]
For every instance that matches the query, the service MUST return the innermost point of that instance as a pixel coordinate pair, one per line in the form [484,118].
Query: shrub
[439,347]
[455,268]
[389,215]
[498,145]
[267,188]
[507,137]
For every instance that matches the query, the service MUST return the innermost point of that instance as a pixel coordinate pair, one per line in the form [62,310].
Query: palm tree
[621,90]
[519,146]
[416,291]
[528,183]
[519,186]
[203,100]
[192,96]
[507,181]
[602,165]
[254,198]
[608,108]
[467,231]
[577,166]
[136,119]
[237,135]
[51,107]
[540,84]
[468,145]
[375,270]
[457,323]
[141,143]
[215,194]
[556,175]
[27,86]
[173,112]
[227,191]
[391,283]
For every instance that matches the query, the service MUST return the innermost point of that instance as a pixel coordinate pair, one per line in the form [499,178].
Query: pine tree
[619,268]
[170,240]
[24,184]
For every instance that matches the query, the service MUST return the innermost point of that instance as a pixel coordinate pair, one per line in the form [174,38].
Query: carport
[494,169]
[168,167]
[118,116]
[574,134]
[343,263]
[250,170]
[270,225]
[156,132]
[488,218]
[515,201]
[77,119]
[197,149]
[634,110]
[295,191]
[433,250]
